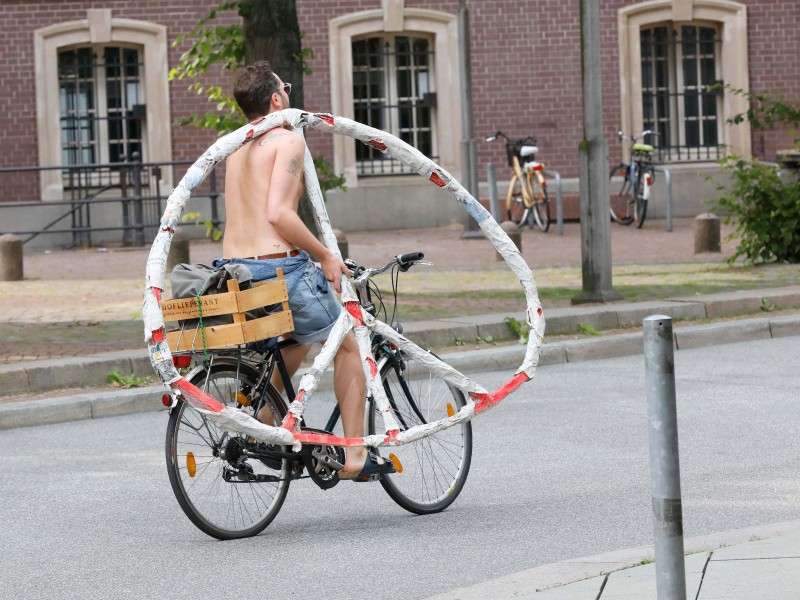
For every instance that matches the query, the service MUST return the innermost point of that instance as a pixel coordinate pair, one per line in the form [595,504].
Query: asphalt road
[560,470]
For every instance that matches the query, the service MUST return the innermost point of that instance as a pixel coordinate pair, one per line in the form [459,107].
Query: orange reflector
[191,465]
[450,410]
[242,399]
[182,361]
[396,462]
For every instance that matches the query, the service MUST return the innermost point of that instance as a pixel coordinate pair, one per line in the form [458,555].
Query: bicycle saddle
[528,151]
[642,147]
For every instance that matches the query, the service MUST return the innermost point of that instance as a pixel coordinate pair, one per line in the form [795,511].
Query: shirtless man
[263,184]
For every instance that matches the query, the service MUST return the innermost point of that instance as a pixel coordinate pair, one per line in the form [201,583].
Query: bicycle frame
[353,317]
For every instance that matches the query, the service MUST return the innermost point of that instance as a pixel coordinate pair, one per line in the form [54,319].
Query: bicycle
[638,177]
[227,413]
[526,199]
[232,485]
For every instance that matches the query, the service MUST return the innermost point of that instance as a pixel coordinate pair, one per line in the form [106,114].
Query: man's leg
[292,357]
[351,393]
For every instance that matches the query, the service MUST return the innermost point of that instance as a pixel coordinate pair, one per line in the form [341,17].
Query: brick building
[86,82]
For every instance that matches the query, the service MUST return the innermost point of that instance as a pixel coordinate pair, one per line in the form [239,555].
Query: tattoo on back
[265,139]
[296,165]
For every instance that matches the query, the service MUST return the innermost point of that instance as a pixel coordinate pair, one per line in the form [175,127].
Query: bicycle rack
[668,184]
[559,201]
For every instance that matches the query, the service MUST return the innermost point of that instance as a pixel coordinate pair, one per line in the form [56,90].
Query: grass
[431,295]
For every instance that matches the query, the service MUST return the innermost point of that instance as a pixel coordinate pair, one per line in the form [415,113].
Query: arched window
[101,92]
[389,65]
[674,57]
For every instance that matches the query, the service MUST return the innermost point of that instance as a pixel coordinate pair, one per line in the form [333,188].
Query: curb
[54,374]
[525,584]
[121,402]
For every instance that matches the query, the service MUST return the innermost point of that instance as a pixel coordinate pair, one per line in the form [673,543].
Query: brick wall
[526,70]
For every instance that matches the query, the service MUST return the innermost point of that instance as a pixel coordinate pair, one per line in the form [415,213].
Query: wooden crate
[236,303]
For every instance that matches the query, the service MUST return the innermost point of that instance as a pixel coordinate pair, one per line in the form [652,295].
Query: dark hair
[253,89]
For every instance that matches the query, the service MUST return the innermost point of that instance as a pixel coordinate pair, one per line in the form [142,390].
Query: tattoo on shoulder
[266,139]
[296,165]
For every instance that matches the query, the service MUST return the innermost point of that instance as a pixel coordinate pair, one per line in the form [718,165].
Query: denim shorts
[313,303]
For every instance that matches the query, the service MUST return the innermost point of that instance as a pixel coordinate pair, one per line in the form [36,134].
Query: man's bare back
[248,197]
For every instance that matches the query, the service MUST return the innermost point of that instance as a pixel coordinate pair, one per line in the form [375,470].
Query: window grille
[393,90]
[680,65]
[101,104]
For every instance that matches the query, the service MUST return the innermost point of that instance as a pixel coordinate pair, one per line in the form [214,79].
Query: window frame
[443,30]
[392,100]
[677,91]
[102,110]
[731,20]
[100,28]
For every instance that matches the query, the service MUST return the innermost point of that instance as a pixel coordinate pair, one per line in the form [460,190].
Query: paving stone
[785,326]
[13,380]
[44,412]
[632,315]
[767,579]
[580,590]
[639,583]
[722,333]
[124,402]
[605,347]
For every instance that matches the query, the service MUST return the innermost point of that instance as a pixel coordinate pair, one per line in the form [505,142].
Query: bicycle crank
[322,462]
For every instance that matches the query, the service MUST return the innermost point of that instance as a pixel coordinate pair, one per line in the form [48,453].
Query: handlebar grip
[406,259]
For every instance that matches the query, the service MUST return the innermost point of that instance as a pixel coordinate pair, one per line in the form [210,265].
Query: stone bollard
[512,230]
[10,257]
[341,240]
[706,233]
[178,252]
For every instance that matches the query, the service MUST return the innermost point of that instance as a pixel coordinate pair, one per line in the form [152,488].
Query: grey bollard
[178,252]
[512,230]
[10,257]
[341,240]
[706,233]
[665,477]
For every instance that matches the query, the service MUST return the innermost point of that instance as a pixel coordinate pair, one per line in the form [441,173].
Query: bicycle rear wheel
[435,468]
[621,199]
[541,205]
[223,492]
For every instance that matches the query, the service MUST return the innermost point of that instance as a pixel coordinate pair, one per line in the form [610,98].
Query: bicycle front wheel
[435,468]
[541,204]
[516,210]
[621,200]
[224,492]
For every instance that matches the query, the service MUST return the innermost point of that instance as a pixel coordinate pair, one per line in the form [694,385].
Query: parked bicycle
[634,181]
[526,198]
[232,486]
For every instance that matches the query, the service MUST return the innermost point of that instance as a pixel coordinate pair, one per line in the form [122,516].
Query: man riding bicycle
[263,185]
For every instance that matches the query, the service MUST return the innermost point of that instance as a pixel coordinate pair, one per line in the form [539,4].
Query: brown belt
[287,254]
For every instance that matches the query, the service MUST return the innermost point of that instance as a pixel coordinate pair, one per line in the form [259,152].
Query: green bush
[765,212]
[764,208]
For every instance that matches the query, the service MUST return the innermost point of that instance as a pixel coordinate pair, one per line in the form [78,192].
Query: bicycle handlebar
[529,140]
[633,138]
[404,261]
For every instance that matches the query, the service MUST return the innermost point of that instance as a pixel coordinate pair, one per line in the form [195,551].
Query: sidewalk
[757,563]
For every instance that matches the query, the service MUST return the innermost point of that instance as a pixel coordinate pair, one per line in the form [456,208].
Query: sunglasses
[287,87]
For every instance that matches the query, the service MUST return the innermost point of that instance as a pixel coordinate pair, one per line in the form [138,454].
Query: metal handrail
[130,173]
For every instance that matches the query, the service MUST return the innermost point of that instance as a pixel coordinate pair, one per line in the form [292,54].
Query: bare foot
[355,458]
